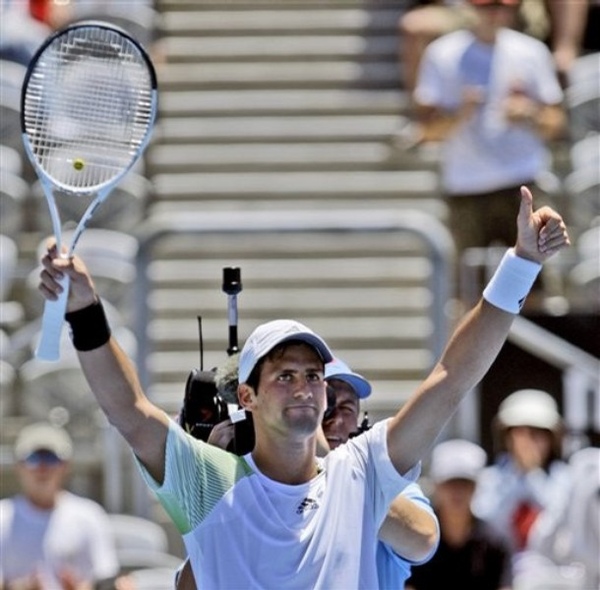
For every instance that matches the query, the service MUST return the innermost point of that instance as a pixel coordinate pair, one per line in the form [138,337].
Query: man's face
[42,476]
[291,391]
[343,420]
[497,13]
[455,495]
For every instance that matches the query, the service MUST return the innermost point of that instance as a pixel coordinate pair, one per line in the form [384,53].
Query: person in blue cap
[409,534]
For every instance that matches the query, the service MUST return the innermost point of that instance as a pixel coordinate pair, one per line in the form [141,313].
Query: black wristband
[89,327]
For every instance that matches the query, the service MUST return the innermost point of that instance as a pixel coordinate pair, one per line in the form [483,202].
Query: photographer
[274,518]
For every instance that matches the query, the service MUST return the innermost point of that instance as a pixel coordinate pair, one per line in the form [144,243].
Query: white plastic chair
[143,544]
[14,192]
[157,578]
[135,532]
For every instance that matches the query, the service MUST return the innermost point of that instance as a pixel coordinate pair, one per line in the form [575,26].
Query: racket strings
[88,106]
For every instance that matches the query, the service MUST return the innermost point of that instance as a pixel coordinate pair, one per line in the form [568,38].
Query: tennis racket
[88,105]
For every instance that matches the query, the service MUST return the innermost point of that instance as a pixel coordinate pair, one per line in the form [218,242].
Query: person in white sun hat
[51,538]
[470,554]
[528,473]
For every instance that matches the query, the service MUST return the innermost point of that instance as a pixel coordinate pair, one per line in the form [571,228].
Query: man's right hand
[82,291]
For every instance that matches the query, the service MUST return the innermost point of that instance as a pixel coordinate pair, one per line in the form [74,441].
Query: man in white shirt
[281,517]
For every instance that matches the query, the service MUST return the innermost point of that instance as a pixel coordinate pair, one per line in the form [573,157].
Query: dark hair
[276,352]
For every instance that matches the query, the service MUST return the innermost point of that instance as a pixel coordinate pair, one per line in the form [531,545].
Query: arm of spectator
[436,124]
[568,19]
[548,121]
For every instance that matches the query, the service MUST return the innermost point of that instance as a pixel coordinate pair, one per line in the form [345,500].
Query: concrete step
[380,363]
[181,304]
[182,334]
[433,206]
[298,102]
[393,184]
[243,49]
[271,157]
[282,20]
[195,5]
[409,263]
[318,128]
[290,75]
[269,247]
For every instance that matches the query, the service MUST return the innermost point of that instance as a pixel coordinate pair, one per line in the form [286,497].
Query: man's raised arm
[480,335]
[110,373]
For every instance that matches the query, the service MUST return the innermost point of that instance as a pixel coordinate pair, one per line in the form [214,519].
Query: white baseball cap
[267,336]
[456,459]
[529,407]
[338,369]
[43,436]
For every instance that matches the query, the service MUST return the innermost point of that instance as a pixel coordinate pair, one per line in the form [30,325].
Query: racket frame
[54,311]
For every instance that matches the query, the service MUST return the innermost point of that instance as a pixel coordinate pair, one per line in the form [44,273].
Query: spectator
[492,98]
[20,33]
[409,533]
[469,555]
[575,32]
[426,20]
[528,474]
[423,22]
[274,517]
[564,547]
[50,537]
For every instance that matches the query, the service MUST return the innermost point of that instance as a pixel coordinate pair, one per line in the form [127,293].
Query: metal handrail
[429,229]
[553,349]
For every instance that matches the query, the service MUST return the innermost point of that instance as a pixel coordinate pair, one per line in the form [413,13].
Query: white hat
[456,459]
[529,407]
[338,369]
[43,436]
[267,336]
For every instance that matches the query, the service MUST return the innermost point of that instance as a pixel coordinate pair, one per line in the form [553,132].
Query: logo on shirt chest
[307,504]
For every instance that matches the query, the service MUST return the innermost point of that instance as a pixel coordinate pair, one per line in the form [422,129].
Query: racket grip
[52,324]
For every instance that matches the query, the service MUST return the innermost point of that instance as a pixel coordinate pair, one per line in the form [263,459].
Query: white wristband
[511,282]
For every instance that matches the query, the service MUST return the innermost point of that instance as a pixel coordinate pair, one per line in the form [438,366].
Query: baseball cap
[267,336]
[338,369]
[456,459]
[529,407]
[43,436]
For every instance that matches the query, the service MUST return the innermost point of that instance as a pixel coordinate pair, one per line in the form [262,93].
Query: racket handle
[52,324]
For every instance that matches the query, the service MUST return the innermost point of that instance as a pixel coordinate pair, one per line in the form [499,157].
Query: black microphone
[232,285]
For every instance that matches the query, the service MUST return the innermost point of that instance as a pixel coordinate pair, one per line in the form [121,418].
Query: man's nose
[303,389]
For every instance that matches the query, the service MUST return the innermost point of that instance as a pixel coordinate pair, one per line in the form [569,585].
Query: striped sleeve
[197,476]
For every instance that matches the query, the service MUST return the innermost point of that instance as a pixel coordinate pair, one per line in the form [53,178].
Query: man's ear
[246,396]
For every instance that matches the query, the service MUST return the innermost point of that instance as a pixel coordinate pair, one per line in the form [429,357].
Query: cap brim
[314,341]
[361,386]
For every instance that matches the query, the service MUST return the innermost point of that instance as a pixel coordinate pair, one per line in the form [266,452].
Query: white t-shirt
[74,536]
[244,530]
[488,153]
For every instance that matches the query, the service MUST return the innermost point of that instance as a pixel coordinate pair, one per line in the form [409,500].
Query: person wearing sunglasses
[50,537]
[490,96]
